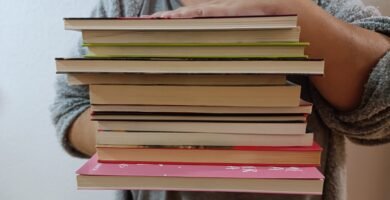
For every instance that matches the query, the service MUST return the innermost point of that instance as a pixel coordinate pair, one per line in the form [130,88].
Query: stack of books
[197,104]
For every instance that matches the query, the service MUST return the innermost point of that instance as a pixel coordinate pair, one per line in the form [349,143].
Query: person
[352,100]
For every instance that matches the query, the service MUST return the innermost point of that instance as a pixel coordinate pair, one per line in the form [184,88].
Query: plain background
[33,165]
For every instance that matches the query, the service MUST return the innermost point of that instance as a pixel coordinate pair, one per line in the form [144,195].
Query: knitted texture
[368,124]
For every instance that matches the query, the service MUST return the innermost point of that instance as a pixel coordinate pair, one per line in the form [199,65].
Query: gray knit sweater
[368,124]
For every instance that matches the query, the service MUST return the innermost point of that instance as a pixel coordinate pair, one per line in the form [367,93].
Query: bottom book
[276,180]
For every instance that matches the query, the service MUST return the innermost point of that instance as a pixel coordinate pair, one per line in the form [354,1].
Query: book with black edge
[174,79]
[292,128]
[191,65]
[199,23]
[304,107]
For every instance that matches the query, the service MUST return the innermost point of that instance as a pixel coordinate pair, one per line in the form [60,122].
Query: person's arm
[70,111]
[357,69]
[350,52]
[82,133]
[70,102]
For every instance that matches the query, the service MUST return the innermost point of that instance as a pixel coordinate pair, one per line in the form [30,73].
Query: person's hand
[201,8]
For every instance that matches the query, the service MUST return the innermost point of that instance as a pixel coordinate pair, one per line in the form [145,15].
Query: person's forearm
[82,134]
[350,53]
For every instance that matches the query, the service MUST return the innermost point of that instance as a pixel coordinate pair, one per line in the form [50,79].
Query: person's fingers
[202,10]
[145,16]
[190,12]
[158,14]
[178,13]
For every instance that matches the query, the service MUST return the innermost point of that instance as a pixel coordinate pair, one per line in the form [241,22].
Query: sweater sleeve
[369,123]
[71,101]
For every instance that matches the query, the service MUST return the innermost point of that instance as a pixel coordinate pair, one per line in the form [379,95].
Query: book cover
[94,168]
[122,176]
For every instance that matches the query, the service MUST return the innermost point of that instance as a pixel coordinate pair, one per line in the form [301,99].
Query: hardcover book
[122,176]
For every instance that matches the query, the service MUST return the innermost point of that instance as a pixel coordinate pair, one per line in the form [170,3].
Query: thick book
[123,138]
[122,176]
[198,117]
[303,108]
[200,23]
[212,155]
[251,96]
[191,66]
[173,79]
[184,36]
[294,128]
[212,50]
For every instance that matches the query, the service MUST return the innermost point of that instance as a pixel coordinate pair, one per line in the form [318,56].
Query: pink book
[283,180]
[93,168]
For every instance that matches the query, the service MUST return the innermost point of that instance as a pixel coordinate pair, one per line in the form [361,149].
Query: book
[173,79]
[200,23]
[193,36]
[212,50]
[206,127]
[190,66]
[122,176]
[197,117]
[304,107]
[123,138]
[251,96]
[212,155]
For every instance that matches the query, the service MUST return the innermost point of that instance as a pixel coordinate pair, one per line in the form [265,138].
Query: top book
[201,23]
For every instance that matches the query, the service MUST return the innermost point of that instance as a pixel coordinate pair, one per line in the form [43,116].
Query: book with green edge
[198,50]
[275,43]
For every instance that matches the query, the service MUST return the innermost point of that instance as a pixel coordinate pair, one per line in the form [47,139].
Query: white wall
[32,164]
